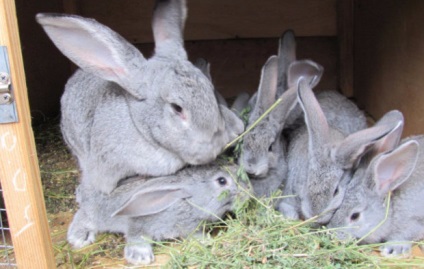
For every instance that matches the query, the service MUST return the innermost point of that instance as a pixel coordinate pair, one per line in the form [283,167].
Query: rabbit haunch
[124,115]
[158,208]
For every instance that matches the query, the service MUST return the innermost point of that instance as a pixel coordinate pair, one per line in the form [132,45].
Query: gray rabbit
[263,148]
[124,115]
[320,161]
[399,171]
[158,208]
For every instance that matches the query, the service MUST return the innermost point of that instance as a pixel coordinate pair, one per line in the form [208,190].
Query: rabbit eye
[354,216]
[178,109]
[222,181]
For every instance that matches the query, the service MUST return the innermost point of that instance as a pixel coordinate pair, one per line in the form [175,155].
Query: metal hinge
[7,105]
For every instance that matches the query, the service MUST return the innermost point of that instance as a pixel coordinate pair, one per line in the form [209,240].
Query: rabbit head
[364,204]
[168,97]
[331,157]
[212,189]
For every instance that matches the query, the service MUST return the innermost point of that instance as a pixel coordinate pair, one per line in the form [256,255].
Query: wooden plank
[221,19]
[345,38]
[19,171]
[389,59]
[236,64]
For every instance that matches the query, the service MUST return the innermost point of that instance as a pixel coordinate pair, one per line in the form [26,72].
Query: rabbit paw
[396,250]
[81,237]
[288,211]
[139,253]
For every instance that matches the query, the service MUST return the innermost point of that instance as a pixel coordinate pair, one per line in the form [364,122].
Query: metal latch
[7,105]
[5,94]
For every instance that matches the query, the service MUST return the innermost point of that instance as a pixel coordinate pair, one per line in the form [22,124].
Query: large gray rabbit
[159,208]
[124,115]
[401,172]
[320,160]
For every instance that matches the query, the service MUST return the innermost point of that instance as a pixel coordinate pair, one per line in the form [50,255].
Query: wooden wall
[389,59]
[46,69]
[235,36]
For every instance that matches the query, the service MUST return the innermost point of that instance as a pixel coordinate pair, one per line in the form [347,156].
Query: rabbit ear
[288,103]
[95,48]
[306,69]
[268,85]
[391,169]
[392,139]
[168,25]
[150,202]
[315,120]
[349,151]
[286,55]
[204,66]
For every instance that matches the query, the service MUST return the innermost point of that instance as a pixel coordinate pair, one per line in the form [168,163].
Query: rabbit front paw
[81,237]
[395,249]
[139,253]
[288,211]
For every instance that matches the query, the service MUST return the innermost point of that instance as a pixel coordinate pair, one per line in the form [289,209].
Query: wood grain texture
[389,59]
[19,171]
[220,19]
[345,26]
[236,64]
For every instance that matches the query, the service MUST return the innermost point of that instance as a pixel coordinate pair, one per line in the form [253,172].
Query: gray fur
[124,115]
[320,160]
[263,149]
[158,208]
[401,172]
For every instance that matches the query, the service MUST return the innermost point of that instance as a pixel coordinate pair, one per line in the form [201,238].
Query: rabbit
[267,166]
[263,147]
[205,67]
[240,103]
[124,115]
[399,171]
[157,208]
[320,160]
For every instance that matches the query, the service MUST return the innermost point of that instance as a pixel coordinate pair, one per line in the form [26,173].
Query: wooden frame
[19,171]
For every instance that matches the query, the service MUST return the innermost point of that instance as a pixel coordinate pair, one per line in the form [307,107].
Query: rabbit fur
[124,115]
[157,208]
[318,184]
[399,171]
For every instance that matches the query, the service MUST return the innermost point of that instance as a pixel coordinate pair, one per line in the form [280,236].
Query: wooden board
[19,171]
[219,19]
[389,59]
[236,64]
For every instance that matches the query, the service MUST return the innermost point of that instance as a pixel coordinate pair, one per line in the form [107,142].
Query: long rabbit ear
[150,202]
[305,69]
[95,48]
[316,123]
[286,55]
[267,86]
[349,151]
[391,169]
[392,139]
[168,25]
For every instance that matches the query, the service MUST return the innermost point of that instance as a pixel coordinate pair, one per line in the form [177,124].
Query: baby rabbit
[263,148]
[158,208]
[401,172]
[320,159]
[124,115]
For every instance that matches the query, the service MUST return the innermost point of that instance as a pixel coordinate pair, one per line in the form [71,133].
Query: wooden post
[345,35]
[19,170]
